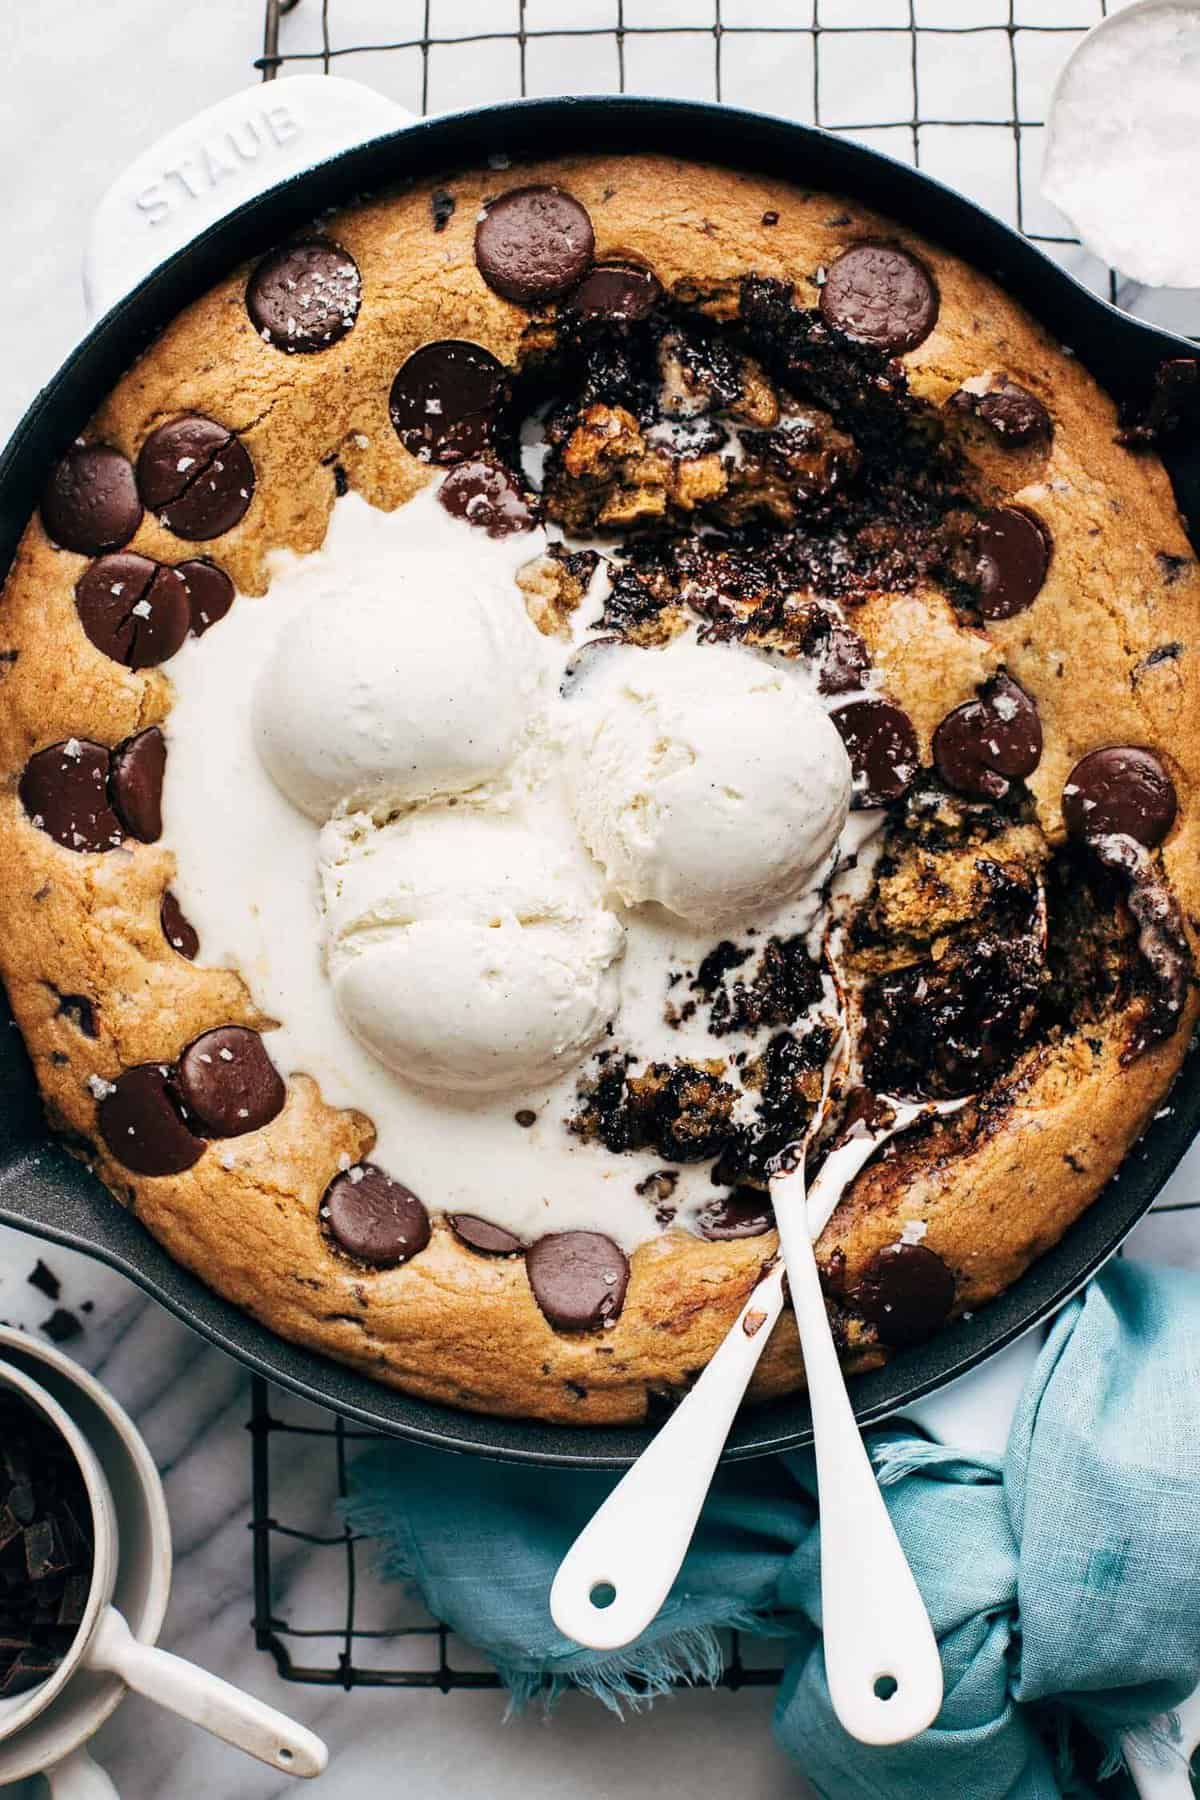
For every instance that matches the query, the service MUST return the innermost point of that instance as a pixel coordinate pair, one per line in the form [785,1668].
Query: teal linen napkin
[1063,1581]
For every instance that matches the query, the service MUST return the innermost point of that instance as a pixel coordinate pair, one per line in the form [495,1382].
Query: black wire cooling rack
[406,1648]
[959,87]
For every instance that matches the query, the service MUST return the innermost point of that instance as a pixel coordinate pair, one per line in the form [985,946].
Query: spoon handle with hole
[876,1629]
[205,1699]
[637,1541]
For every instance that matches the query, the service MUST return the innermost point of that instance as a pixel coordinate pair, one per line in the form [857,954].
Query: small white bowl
[45,1731]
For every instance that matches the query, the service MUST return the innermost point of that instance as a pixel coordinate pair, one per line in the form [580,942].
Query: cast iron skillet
[45,1191]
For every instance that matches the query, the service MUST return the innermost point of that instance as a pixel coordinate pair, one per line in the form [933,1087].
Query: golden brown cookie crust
[994,1188]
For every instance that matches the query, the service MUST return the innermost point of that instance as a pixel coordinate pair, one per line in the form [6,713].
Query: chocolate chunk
[442,205]
[134,610]
[142,1126]
[845,661]
[945,1027]
[906,1293]
[45,1280]
[64,789]
[90,502]
[1012,413]
[1121,790]
[28,1671]
[80,1010]
[1016,416]
[210,592]
[196,475]
[1162,941]
[62,1326]
[879,294]
[614,294]
[74,1600]
[1012,556]
[1162,653]
[534,243]
[482,1235]
[178,930]
[374,1218]
[1174,405]
[882,746]
[305,296]
[578,1279]
[985,745]
[227,1082]
[746,1212]
[444,398]
[138,766]
[486,496]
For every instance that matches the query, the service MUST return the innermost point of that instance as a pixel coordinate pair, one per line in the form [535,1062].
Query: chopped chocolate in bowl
[46,1546]
[444,399]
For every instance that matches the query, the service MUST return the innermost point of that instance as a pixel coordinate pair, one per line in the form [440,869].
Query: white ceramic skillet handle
[205,1700]
[221,158]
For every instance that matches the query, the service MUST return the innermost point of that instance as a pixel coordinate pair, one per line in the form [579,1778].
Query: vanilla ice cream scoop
[407,671]
[466,951]
[704,777]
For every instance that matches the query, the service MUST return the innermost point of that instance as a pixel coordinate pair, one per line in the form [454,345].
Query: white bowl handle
[77,1777]
[224,156]
[205,1700]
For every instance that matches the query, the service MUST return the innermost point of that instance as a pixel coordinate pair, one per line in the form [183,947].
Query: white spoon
[881,1656]
[617,1574]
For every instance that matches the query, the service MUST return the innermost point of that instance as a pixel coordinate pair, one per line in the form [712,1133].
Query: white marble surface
[89,86]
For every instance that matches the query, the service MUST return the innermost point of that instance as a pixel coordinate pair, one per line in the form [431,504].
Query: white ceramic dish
[46,1730]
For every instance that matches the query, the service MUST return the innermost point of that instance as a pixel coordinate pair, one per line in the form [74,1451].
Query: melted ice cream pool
[249,879]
